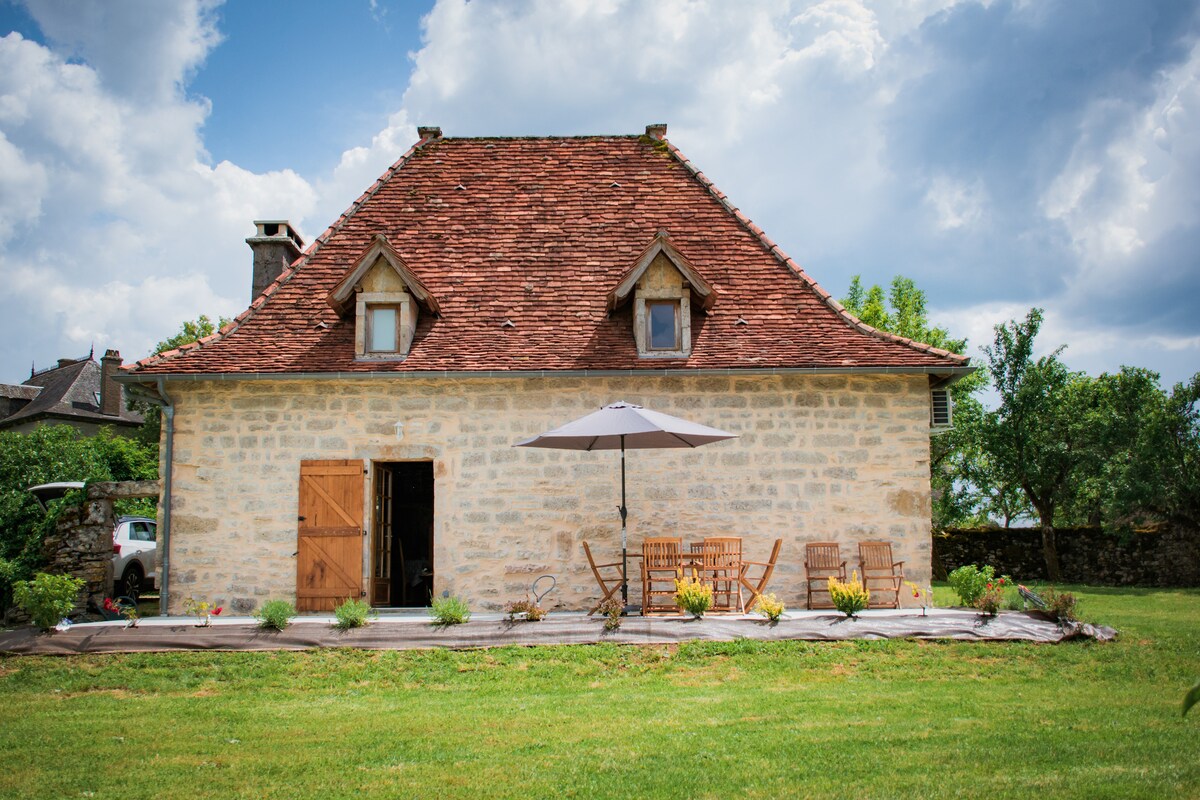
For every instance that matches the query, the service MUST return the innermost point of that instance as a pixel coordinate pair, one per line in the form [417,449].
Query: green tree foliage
[903,311]
[1114,450]
[1035,438]
[45,455]
[189,331]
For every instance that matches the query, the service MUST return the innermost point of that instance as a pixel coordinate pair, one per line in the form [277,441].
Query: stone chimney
[431,132]
[110,390]
[275,245]
[657,130]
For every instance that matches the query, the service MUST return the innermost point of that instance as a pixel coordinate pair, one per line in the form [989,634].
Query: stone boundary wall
[82,541]
[1167,556]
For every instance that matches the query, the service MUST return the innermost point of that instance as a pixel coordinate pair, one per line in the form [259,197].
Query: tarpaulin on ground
[408,633]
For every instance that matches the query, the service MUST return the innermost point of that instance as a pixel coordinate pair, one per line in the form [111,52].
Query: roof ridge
[775,250]
[309,252]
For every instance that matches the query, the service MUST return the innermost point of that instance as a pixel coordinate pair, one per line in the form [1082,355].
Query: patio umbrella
[624,426]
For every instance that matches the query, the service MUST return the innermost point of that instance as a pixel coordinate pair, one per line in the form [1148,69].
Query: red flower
[1002,581]
[989,584]
[916,593]
[109,605]
[217,610]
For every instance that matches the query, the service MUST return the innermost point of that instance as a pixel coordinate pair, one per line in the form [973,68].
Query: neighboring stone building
[352,431]
[77,392]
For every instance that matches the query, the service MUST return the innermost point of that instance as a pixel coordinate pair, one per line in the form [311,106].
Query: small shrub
[612,609]
[970,582]
[276,614]
[1060,604]
[769,606]
[525,609]
[693,596]
[353,613]
[450,611]
[849,598]
[47,598]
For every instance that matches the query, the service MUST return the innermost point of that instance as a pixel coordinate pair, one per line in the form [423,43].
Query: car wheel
[131,583]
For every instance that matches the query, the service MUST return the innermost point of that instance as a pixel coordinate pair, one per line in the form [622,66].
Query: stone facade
[840,458]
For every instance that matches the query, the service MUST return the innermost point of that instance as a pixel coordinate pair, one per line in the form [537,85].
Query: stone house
[351,432]
[76,392]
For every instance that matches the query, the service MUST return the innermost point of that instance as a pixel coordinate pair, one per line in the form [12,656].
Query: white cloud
[1132,176]
[114,228]
[955,203]
[142,49]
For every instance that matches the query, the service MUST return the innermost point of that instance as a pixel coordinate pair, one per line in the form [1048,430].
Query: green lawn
[729,720]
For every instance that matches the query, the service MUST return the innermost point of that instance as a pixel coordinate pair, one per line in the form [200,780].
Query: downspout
[164,561]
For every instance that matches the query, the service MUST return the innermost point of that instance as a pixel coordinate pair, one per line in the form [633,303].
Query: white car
[135,548]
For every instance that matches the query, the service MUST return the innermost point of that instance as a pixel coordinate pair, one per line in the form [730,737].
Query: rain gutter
[948,374]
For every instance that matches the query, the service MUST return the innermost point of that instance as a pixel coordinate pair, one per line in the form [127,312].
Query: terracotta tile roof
[538,232]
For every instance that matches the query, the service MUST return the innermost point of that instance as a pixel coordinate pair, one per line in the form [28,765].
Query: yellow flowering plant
[769,606]
[693,596]
[850,597]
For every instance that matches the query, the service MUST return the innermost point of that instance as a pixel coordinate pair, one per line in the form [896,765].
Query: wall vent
[941,410]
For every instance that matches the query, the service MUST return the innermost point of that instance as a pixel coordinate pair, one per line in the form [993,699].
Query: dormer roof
[341,297]
[702,289]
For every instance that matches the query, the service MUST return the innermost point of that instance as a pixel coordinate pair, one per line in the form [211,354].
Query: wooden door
[330,534]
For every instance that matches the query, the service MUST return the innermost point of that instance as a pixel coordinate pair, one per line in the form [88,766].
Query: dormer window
[383,329]
[662,325]
[386,297]
[662,284]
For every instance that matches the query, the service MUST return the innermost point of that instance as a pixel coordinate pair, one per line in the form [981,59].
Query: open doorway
[402,546]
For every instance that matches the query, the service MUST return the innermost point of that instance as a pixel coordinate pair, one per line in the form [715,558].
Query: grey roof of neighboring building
[65,392]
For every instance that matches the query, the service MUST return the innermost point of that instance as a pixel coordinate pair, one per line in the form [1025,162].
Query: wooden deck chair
[760,586]
[880,575]
[610,583]
[718,561]
[822,561]
[662,565]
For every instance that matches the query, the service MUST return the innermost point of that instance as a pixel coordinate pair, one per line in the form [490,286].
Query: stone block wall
[81,545]
[1167,556]
[818,458]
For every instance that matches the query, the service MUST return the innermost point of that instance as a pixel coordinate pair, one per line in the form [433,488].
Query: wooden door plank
[329,534]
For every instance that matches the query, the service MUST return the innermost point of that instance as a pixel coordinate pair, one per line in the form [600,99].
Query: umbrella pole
[624,514]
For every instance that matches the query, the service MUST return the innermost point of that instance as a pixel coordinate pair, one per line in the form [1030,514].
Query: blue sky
[1004,154]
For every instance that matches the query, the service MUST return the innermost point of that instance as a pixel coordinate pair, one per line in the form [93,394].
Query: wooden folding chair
[662,565]
[822,561]
[880,574]
[609,584]
[718,563]
[767,566]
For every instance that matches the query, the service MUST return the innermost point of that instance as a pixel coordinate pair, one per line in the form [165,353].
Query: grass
[745,719]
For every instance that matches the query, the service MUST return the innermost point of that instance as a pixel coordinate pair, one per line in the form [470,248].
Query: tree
[954,502]
[1157,471]
[1039,437]
[191,331]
